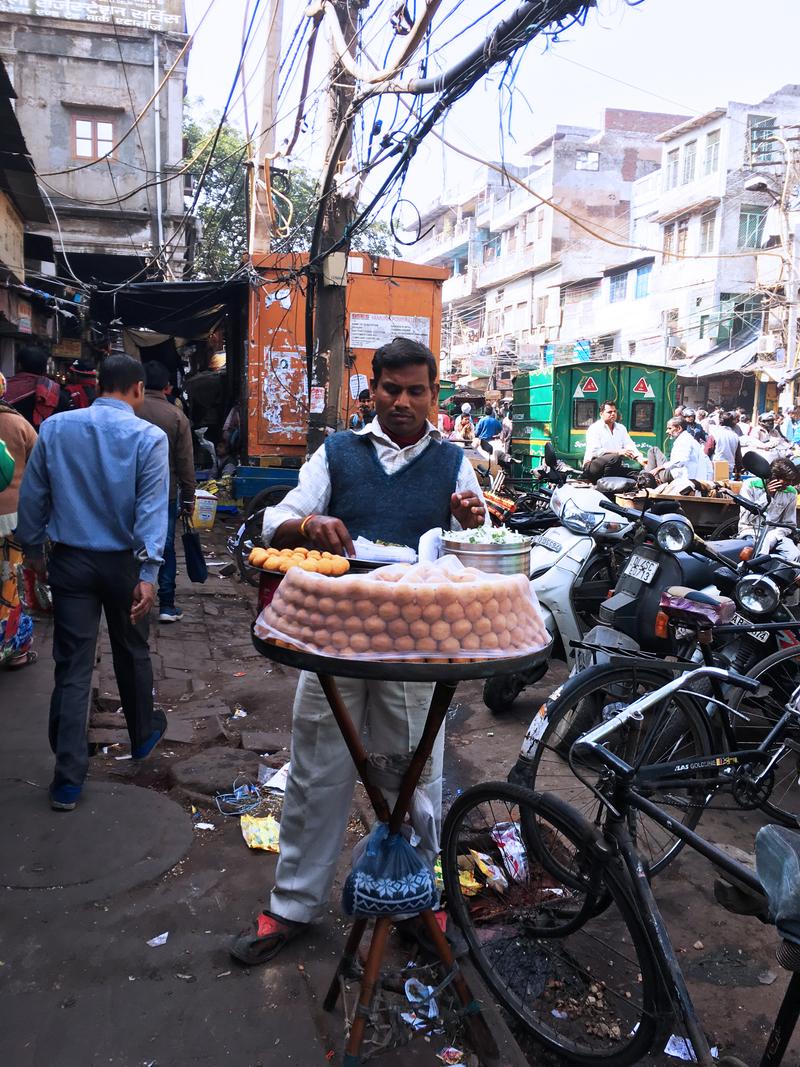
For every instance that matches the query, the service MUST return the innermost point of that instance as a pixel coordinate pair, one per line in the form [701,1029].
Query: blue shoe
[64,797]
[171,614]
[145,750]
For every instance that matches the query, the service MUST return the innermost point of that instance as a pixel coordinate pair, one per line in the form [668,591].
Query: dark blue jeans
[169,568]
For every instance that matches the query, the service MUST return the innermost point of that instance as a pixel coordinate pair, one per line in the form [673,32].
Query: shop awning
[687,209]
[183,309]
[723,360]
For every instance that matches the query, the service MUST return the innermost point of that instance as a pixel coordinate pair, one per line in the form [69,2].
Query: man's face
[673,429]
[403,396]
[609,414]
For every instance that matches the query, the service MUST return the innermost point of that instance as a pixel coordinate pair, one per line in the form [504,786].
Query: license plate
[641,568]
[546,542]
[759,635]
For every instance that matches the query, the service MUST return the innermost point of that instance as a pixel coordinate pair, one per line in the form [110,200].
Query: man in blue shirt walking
[97,487]
[489,426]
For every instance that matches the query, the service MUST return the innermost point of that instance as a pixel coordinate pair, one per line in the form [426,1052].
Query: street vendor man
[390,481]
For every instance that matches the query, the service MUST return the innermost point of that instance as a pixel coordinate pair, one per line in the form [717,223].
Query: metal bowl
[492,558]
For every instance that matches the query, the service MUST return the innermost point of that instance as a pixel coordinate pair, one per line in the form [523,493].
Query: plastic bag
[425,613]
[778,867]
[389,878]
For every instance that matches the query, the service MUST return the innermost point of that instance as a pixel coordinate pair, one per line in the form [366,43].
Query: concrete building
[26,315]
[712,303]
[528,276]
[83,73]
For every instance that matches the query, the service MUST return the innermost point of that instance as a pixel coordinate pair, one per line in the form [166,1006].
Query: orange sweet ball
[482,626]
[432,613]
[473,610]
[398,628]
[426,644]
[440,630]
[339,639]
[453,612]
[360,643]
[491,608]
[490,641]
[471,643]
[461,628]
[374,625]
[450,645]
[419,629]
[326,605]
[363,607]
[382,643]
[405,644]
[388,611]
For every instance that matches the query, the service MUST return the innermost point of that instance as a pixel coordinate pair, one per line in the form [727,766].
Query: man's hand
[38,564]
[776,485]
[329,535]
[143,597]
[467,509]
[631,453]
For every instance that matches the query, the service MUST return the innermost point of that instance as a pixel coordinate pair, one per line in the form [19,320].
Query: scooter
[574,566]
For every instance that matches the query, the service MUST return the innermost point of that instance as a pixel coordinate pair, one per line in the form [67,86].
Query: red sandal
[270,935]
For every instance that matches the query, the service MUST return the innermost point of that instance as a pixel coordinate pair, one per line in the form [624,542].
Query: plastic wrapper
[425,612]
[495,878]
[506,836]
[261,833]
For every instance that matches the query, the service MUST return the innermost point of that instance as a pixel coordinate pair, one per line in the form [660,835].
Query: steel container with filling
[514,558]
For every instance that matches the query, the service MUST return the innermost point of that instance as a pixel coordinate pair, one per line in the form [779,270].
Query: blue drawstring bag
[389,878]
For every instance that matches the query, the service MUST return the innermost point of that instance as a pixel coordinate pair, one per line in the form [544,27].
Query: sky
[677,56]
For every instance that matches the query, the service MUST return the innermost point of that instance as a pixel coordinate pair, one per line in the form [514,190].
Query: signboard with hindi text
[164,15]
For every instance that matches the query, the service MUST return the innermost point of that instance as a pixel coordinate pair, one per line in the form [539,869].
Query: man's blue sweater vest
[398,507]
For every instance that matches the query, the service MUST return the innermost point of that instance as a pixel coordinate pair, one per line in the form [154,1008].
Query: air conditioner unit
[767,344]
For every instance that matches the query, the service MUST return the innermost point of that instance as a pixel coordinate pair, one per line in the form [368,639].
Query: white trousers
[390,717]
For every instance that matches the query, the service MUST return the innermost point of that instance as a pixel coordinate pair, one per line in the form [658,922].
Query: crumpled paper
[261,833]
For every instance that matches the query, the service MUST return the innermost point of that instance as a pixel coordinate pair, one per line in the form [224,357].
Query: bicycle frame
[623,798]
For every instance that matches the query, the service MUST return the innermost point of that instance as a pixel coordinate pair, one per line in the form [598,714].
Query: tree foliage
[222,203]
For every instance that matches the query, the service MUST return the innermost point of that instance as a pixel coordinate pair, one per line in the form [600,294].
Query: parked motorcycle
[574,566]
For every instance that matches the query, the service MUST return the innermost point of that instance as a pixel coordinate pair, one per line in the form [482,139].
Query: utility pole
[263,144]
[328,363]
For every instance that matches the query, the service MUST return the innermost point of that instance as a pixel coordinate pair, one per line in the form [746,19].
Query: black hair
[156,375]
[403,352]
[32,359]
[609,404]
[728,418]
[364,396]
[119,374]
[785,470]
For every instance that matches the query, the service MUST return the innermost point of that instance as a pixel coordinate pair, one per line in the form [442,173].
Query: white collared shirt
[686,457]
[313,492]
[599,439]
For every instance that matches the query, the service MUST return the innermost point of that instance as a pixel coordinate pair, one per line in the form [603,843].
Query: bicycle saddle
[778,867]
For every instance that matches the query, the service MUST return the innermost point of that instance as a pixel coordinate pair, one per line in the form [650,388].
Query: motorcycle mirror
[754,463]
[550,457]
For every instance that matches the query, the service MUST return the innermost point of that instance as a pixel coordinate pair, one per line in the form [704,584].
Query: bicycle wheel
[581,979]
[676,730]
[251,535]
[780,676]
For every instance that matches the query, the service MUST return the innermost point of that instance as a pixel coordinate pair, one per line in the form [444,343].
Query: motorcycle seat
[615,485]
[730,549]
[690,605]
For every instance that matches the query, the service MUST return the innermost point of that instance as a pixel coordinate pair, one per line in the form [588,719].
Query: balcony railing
[503,267]
[439,244]
[459,286]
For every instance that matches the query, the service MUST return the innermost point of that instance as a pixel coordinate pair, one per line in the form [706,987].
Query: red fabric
[404,442]
[78,396]
[19,386]
[267,926]
[48,393]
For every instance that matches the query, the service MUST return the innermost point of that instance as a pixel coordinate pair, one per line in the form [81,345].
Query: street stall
[427,622]
[715,517]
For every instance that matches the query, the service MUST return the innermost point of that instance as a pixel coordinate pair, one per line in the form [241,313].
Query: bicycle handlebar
[591,743]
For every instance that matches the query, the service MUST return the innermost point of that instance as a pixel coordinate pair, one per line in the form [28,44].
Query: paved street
[86,891]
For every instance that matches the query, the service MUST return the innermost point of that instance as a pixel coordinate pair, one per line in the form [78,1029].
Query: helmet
[688,413]
[766,416]
[466,408]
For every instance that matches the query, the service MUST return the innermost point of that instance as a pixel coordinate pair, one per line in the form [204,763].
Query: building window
[530,227]
[751,226]
[540,223]
[704,321]
[541,310]
[711,164]
[618,287]
[683,236]
[669,237]
[708,221]
[493,323]
[92,136]
[760,129]
[689,160]
[643,280]
[587,160]
[672,168]
[631,349]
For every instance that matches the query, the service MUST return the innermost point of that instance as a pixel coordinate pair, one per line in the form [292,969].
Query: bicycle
[576,946]
[721,725]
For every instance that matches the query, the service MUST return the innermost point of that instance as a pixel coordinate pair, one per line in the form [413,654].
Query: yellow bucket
[205,510]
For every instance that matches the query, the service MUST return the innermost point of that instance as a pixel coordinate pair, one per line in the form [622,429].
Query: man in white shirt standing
[686,458]
[608,445]
[392,480]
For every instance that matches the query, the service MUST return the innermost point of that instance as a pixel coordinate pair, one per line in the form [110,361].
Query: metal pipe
[157,140]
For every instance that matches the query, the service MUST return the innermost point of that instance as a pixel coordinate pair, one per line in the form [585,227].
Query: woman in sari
[16,627]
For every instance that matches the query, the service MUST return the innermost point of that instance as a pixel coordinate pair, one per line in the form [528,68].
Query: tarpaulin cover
[185,309]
